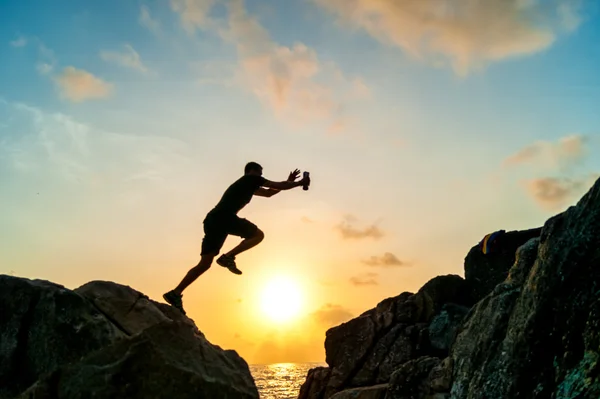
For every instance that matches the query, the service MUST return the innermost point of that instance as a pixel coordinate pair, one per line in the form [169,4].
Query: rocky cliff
[523,323]
[105,340]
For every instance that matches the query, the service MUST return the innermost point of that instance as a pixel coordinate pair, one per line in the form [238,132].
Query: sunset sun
[281,299]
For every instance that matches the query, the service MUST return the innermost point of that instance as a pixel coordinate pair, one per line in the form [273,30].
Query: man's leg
[195,272]
[211,245]
[252,236]
[247,243]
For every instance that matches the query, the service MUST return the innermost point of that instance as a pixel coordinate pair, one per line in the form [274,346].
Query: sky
[424,124]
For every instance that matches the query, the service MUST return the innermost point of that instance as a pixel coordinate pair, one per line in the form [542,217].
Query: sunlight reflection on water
[280,380]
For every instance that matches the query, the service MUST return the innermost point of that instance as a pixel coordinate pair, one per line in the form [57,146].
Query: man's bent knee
[259,234]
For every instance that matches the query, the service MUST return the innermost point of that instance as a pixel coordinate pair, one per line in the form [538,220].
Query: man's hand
[293,175]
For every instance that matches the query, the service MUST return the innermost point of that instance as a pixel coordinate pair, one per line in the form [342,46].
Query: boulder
[166,360]
[106,340]
[411,380]
[444,326]
[42,326]
[484,271]
[537,335]
[372,392]
[315,385]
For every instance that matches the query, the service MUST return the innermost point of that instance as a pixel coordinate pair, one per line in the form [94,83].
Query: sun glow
[281,299]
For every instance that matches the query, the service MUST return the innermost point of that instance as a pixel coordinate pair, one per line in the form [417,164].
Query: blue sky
[430,123]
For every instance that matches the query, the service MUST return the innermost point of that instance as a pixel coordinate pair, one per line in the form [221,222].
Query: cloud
[194,14]
[469,34]
[147,21]
[331,315]
[567,150]
[306,219]
[21,41]
[386,260]
[57,144]
[348,231]
[129,58]
[553,193]
[78,85]
[364,280]
[290,80]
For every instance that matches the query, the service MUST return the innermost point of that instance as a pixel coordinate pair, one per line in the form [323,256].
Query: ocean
[281,380]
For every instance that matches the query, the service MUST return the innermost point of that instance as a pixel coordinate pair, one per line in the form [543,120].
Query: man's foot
[229,262]
[174,299]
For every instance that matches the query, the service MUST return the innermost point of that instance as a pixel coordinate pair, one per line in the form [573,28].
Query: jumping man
[223,220]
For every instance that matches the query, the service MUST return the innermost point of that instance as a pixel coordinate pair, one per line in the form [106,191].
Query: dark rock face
[106,340]
[166,360]
[42,326]
[538,334]
[444,327]
[366,351]
[484,271]
[411,380]
[525,324]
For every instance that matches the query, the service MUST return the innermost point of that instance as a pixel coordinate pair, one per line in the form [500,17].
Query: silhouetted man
[223,220]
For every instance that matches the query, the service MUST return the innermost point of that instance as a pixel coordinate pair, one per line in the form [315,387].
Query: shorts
[217,227]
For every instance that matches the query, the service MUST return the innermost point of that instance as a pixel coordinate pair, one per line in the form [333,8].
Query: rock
[440,377]
[57,343]
[346,347]
[372,392]
[445,289]
[411,380]
[537,335]
[129,309]
[44,325]
[315,384]
[484,271]
[166,360]
[444,327]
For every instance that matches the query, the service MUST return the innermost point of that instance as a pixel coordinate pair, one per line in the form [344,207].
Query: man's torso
[238,195]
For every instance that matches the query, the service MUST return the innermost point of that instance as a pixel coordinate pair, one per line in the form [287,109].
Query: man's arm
[266,192]
[283,185]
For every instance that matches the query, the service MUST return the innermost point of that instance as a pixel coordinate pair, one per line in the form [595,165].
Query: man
[222,221]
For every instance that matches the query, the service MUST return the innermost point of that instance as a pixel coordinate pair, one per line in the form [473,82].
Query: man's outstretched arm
[269,192]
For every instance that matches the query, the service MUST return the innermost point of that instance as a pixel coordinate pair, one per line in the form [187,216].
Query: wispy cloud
[128,58]
[387,260]
[306,219]
[331,315]
[55,143]
[194,14]
[21,41]
[348,231]
[470,34]
[364,280]
[147,21]
[567,150]
[291,81]
[78,85]
[552,193]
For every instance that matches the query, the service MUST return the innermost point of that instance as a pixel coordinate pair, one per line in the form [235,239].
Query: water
[281,380]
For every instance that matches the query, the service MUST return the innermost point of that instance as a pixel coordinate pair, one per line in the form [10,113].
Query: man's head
[252,168]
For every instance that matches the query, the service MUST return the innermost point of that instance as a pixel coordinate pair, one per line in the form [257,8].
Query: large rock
[166,360]
[444,326]
[484,271]
[315,385]
[412,379]
[538,334]
[366,350]
[106,340]
[372,392]
[42,326]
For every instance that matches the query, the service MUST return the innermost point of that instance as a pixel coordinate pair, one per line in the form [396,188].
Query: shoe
[229,263]
[174,299]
